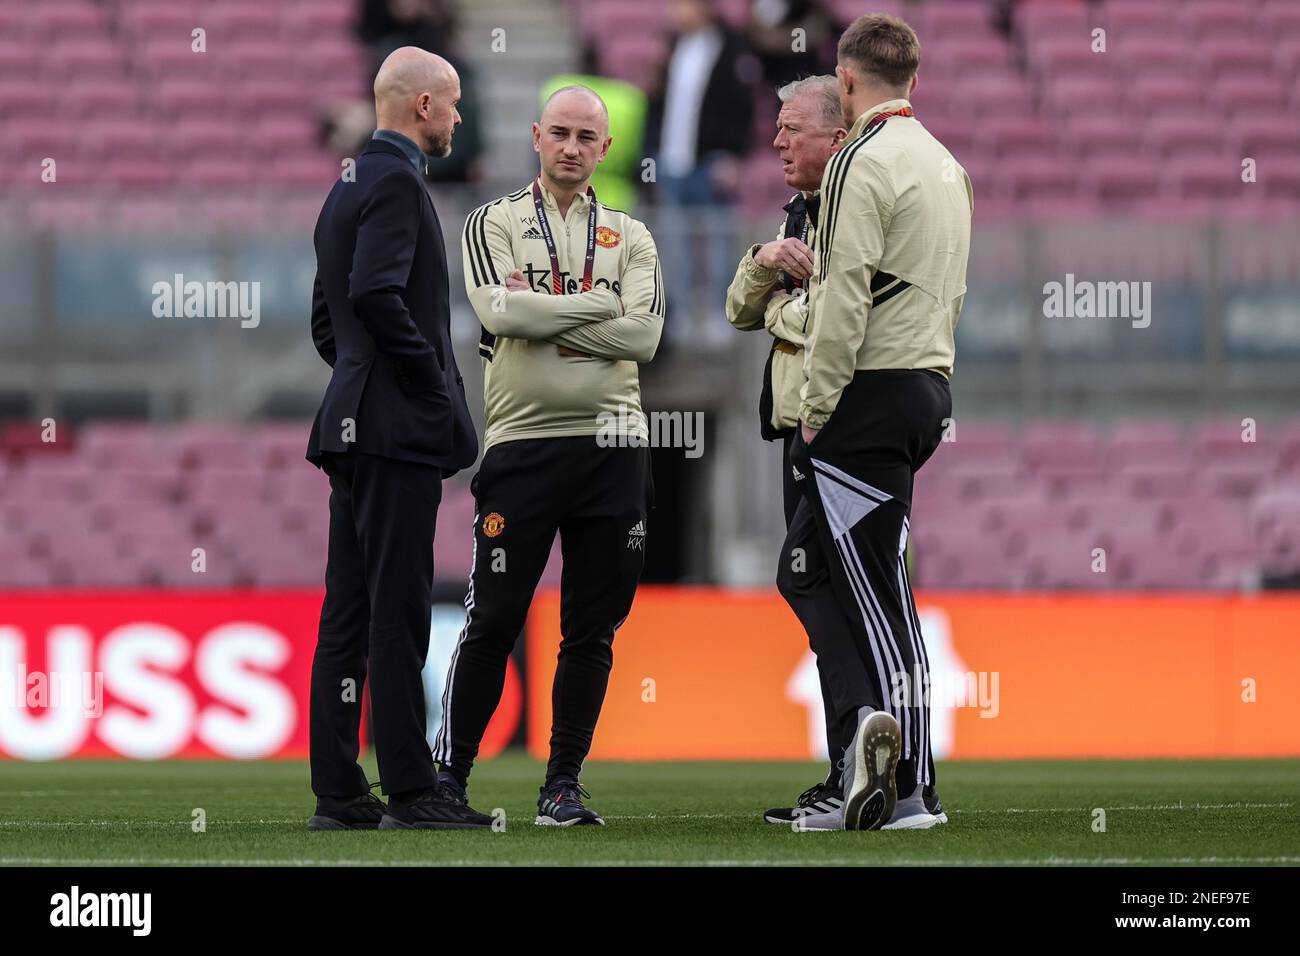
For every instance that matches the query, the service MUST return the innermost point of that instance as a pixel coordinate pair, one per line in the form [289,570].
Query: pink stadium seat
[89,58]
[1263,134]
[234,22]
[18,60]
[280,446]
[1041,177]
[203,136]
[1039,21]
[1212,524]
[1279,18]
[1007,134]
[944,18]
[1208,177]
[213,446]
[286,134]
[276,97]
[1138,17]
[1101,133]
[992,94]
[65,19]
[966,55]
[207,172]
[191,97]
[264,60]
[1081,95]
[1065,56]
[1109,514]
[25,98]
[105,96]
[138,174]
[1286,58]
[229,489]
[1048,441]
[1234,479]
[310,18]
[1160,569]
[312,171]
[33,137]
[162,20]
[1163,94]
[1219,18]
[1165,53]
[1226,54]
[1256,96]
[122,139]
[1180,136]
[1064,562]
[333,55]
[170,56]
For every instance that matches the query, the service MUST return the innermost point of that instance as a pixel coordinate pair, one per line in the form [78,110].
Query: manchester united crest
[493,525]
[608,238]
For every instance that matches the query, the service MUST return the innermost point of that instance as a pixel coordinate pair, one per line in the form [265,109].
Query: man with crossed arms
[570,298]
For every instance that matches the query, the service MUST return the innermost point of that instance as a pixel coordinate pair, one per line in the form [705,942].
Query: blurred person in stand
[699,130]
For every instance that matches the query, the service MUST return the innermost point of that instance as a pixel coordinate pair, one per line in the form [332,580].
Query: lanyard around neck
[881,117]
[557,284]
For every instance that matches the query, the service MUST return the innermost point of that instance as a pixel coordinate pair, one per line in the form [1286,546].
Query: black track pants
[526,491]
[842,565]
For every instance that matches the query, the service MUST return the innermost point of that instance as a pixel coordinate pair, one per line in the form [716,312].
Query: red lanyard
[557,284]
[881,117]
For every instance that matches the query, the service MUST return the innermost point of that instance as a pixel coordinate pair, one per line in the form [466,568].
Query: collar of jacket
[579,199]
[804,204]
[404,144]
[860,125]
[801,199]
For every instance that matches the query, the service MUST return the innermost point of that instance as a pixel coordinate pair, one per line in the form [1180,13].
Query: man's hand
[788,255]
[515,282]
[808,433]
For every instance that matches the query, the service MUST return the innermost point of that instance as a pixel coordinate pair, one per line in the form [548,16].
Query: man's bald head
[579,102]
[416,93]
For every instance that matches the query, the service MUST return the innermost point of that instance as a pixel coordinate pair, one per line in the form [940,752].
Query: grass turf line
[707,813]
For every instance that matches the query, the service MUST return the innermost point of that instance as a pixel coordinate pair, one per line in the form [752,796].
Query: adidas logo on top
[636,537]
[532,232]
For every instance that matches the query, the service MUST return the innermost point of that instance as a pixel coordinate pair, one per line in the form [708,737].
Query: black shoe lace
[570,793]
[450,793]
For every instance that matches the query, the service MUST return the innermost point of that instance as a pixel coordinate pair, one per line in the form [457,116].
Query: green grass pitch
[1027,813]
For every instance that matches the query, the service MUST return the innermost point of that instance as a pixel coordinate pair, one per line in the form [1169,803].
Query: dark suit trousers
[791,495]
[378,590]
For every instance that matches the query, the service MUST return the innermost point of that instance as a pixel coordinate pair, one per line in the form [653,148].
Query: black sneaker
[560,805]
[814,801]
[349,813]
[442,807]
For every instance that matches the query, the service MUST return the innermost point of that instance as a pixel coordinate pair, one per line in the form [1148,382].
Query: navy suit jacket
[381,318]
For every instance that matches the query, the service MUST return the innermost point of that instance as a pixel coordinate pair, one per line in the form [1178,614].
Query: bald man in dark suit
[393,424]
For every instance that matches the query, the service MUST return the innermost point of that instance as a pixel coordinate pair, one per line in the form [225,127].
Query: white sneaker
[911,814]
[869,764]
